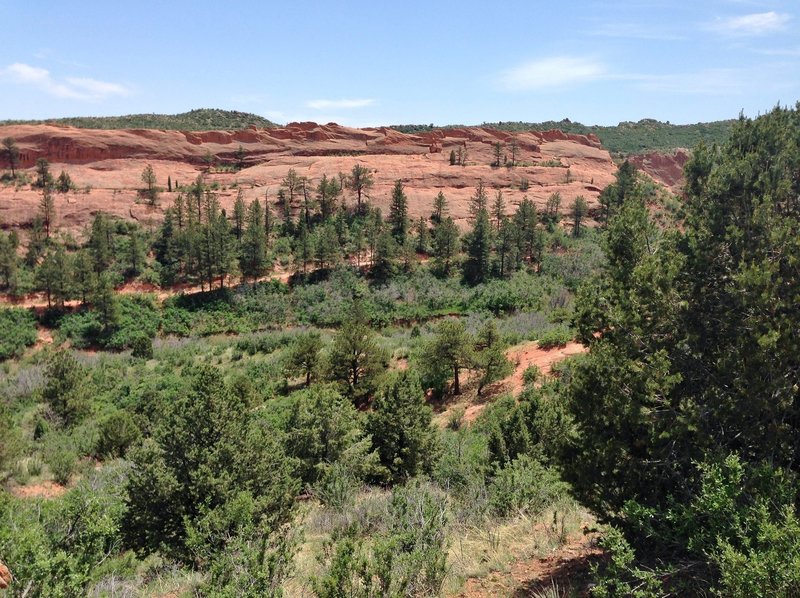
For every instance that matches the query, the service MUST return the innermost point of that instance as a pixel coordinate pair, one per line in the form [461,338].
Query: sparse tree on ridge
[360,182]
[11,154]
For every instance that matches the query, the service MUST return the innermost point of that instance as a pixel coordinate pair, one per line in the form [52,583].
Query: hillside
[110,163]
[203,119]
[626,138]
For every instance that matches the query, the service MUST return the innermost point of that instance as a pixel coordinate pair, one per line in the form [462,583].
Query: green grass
[202,119]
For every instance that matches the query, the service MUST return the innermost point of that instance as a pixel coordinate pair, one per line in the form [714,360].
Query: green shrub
[555,337]
[117,432]
[524,485]
[18,331]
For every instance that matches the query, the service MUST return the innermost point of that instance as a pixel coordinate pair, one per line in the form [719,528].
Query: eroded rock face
[5,576]
[110,164]
[665,168]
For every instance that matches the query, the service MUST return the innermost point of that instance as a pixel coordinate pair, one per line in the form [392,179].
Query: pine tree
[83,274]
[37,241]
[452,157]
[47,210]
[398,213]
[383,259]
[327,249]
[579,209]
[11,154]
[356,359]
[445,245]
[499,208]
[101,243]
[150,191]
[498,154]
[477,265]
[9,260]
[439,208]
[105,303]
[328,191]
[303,245]
[479,200]
[135,254]
[239,213]
[505,247]
[64,182]
[450,349]
[552,211]
[43,179]
[401,427]
[525,221]
[252,261]
[423,236]
[360,182]
[490,358]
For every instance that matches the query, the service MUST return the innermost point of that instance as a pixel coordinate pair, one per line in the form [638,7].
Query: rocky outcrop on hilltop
[106,166]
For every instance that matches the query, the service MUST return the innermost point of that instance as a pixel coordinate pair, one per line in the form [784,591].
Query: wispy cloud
[553,72]
[76,88]
[633,31]
[705,82]
[339,104]
[758,23]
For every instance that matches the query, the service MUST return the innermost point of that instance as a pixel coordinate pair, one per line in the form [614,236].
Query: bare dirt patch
[45,489]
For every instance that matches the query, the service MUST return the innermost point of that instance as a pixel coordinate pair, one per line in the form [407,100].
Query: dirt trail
[566,570]
[46,489]
[522,356]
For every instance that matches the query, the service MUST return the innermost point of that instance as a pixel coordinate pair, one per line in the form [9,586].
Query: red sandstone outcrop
[5,576]
[110,164]
[665,168]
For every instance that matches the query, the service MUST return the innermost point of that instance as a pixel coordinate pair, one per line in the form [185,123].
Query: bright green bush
[18,331]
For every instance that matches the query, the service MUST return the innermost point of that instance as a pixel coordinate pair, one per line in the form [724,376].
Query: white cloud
[554,72]
[339,104]
[706,82]
[77,88]
[752,24]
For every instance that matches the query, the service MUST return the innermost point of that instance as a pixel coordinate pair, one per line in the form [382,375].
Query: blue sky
[372,63]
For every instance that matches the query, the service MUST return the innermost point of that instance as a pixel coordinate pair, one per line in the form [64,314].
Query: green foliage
[55,547]
[203,119]
[19,331]
[401,428]
[694,364]
[66,391]
[205,452]
[524,486]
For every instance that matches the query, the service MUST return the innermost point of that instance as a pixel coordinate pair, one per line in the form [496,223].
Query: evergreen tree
[83,274]
[9,261]
[292,183]
[150,191]
[136,253]
[105,303]
[498,154]
[47,210]
[449,352]
[101,242]
[490,359]
[525,222]
[401,428]
[423,236]
[398,213]
[53,276]
[445,245]
[383,258]
[43,177]
[356,360]
[498,209]
[303,245]
[552,211]
[240,154]
[439,208]
[506,246]
[11,154]
[305,356]
[477,265]
[579,209]
[37,241]
[252,260]
[327,249]
[64,182]
[360,182]
[239,215]
[452,157]
[479,201]
[328,192]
